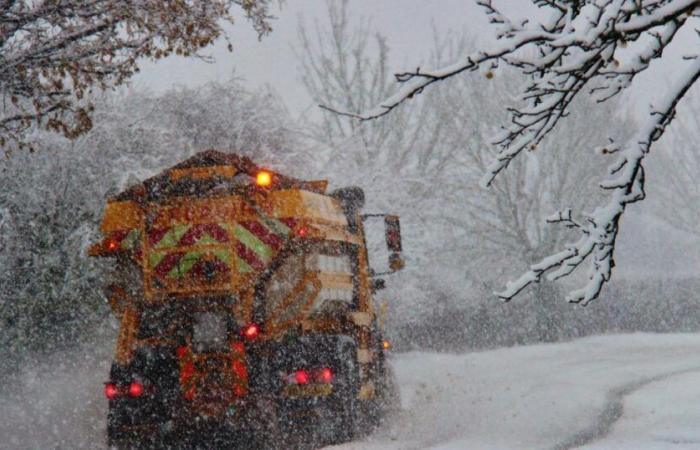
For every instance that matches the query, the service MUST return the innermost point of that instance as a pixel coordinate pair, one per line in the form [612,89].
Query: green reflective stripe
[223,255]
[131,240]
[206,239]
[274,226]
[243,267]
[155,258]
[185,264]
[252,242]
[172,237]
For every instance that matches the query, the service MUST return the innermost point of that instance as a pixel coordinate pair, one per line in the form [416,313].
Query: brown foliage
[55,52]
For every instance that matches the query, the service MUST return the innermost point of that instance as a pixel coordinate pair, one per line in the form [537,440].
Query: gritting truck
[245,307]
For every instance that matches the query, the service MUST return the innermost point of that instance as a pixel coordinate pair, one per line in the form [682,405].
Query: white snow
[547,396]
[623,391]
[659,415]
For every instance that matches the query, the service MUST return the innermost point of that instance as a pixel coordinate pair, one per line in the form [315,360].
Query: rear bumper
[185,427]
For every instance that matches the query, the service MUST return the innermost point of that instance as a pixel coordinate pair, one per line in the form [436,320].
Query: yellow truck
[245,302]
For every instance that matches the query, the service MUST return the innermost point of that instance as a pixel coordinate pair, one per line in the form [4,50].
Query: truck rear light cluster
[111,391]
[133,389]
[250,331]
[303,376]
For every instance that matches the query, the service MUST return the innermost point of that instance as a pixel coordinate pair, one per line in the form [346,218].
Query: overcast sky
[407,24]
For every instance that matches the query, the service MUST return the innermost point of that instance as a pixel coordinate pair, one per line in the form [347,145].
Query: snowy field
[612,392]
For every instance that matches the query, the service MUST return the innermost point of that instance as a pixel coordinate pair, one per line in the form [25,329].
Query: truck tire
[267,434]
[386,402]
[344,402]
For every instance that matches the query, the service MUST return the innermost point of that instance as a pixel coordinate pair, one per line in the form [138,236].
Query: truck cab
[245,302]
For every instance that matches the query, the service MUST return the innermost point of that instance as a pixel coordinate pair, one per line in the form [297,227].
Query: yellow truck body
[279,257]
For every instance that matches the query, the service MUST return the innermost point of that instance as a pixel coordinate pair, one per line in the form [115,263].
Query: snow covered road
[627,391]
[551,397]
[660,415]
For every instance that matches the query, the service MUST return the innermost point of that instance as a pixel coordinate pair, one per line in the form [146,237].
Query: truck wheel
[344,402]
[386,402]
[268,437]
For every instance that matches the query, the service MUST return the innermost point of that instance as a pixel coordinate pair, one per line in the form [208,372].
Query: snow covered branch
[592,46]
[600,231]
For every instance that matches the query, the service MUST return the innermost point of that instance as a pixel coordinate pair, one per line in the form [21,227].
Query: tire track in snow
[613,410]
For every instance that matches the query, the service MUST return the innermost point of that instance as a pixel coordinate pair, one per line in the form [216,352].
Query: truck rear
[245,306]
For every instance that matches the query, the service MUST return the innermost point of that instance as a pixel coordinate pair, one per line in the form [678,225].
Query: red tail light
[135,389]
[324,375]
[251,331]
[301,377]
[111,391]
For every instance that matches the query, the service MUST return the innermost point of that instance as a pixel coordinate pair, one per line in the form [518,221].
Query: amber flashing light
[263,178]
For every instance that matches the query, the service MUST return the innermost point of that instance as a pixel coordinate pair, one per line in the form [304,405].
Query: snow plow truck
[245,307]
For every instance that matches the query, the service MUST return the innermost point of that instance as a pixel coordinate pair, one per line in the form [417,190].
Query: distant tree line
[657,305]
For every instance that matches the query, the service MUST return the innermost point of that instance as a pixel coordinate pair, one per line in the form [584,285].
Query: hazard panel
[187,252]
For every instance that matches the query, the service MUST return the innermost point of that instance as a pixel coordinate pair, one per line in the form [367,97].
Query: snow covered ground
[660,415]
[627,391]
[551,397]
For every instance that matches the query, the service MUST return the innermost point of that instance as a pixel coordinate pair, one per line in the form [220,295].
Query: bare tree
[426,160]
[348,65]
[53,52]
[677,199]
[503,225]
[577,48]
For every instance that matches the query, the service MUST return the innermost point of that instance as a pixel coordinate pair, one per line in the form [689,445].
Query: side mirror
[378,284]
[392,232]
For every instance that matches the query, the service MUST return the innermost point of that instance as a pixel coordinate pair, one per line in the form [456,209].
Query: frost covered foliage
[54,53]
[52,199]
[595,47]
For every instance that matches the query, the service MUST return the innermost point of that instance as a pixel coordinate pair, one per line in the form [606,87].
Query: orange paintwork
[127,335]
[124,215]
[304,204]
[203,173]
